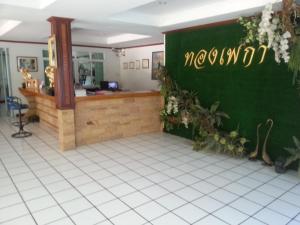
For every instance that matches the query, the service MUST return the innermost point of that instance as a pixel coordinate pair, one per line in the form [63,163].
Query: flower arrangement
[183,107]
[268,29]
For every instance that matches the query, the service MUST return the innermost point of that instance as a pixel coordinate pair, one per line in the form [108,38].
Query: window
[88,67]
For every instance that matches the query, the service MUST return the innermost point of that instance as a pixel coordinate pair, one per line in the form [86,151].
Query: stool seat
[15,103]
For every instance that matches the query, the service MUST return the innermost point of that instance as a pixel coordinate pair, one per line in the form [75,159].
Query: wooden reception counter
[103,117]
[42,105]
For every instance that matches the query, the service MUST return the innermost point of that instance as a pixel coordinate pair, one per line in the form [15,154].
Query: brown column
[63,81]
[64,86]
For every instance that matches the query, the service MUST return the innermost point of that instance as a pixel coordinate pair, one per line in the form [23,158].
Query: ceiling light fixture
[124,38]
[34,4]
[211,10]
[161,2]
[45,3]
[8,25]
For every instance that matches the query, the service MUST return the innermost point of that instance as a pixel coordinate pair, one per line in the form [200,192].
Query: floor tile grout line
[46,189]
[83,196]
[24,202]
[208,177]
[231,182]
[109,191]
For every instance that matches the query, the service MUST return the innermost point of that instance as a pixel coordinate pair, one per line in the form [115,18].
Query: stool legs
[21,133]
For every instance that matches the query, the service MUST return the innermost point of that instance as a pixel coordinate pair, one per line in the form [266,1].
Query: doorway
[5,83]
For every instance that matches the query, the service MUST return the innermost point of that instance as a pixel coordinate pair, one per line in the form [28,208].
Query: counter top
[103,96]
[34,92]
[114,95]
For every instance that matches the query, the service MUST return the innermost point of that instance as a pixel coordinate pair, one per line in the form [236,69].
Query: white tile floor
[150,179]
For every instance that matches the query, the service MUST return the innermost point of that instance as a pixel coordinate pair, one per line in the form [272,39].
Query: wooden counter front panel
[99,120]
[46,110]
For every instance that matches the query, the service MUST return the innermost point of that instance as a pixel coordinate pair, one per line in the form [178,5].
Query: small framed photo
[52,51]
[131,65]
[27,62]
[125,66]
[145,63]
[157,61]
[137,64]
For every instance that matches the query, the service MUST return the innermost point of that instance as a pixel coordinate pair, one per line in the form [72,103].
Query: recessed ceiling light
[213,9]
[35,4]
[45,3]
[161,2]
[124,38]
[8,25]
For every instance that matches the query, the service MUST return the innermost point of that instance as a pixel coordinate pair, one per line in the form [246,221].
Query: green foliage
[294,62]
[183,107]
[294,154]
[251,28]
[230,143]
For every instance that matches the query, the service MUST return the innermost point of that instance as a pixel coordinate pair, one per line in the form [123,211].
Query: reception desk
[101,117]
[42,105]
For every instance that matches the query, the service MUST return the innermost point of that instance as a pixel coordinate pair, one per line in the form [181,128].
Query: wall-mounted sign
[225,57]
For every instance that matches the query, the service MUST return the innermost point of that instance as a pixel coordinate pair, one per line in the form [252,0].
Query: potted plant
[294,154]
[280,164]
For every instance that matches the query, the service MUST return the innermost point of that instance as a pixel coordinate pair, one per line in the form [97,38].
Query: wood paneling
[106,119]
[43,106]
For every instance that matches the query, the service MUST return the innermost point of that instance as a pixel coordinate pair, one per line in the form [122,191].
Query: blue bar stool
[15,103]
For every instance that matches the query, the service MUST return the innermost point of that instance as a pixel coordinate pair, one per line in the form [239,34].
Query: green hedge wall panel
[249,95]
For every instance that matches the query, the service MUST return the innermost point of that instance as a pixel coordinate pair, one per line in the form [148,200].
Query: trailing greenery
[183,107]
[294,63]
[294,154]
[250,25]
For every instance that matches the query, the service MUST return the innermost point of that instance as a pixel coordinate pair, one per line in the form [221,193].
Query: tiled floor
[150,179]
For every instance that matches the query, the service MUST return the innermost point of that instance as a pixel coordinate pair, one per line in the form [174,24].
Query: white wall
[134,79]
[19,49]
[111,62]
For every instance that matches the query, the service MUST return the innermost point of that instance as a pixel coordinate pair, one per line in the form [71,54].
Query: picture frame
[137,64]
[145,63]
[52,51]
[157,61]
[131,65]
[27,62]
[125,66]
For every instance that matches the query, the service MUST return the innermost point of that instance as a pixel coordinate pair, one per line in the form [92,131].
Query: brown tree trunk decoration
[287,9]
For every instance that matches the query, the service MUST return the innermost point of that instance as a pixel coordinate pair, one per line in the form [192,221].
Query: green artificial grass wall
[248,95]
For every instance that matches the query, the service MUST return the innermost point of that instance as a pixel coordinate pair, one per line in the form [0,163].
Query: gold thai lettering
[233,54]
[212,55]
[200,59]
[228,56]
[189,57]
[265,48]
[222,60]
[248,50]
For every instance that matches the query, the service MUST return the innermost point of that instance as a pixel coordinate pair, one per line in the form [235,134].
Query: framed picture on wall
[131,65]
[137,64]
[125,65]
[157,61]
[52,51]
[27,62]
[145,63]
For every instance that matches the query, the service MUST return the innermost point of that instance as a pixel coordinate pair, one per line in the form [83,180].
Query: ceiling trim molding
[197,27]
[24,42]
[79,45]
[140,46]
[44,43]
[90,46]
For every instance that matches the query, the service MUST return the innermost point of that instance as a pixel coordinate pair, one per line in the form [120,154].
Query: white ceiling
[98,20]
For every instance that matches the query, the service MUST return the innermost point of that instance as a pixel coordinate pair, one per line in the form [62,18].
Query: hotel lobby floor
[149,179]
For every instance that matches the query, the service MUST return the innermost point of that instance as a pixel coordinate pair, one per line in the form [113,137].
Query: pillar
[63,81]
